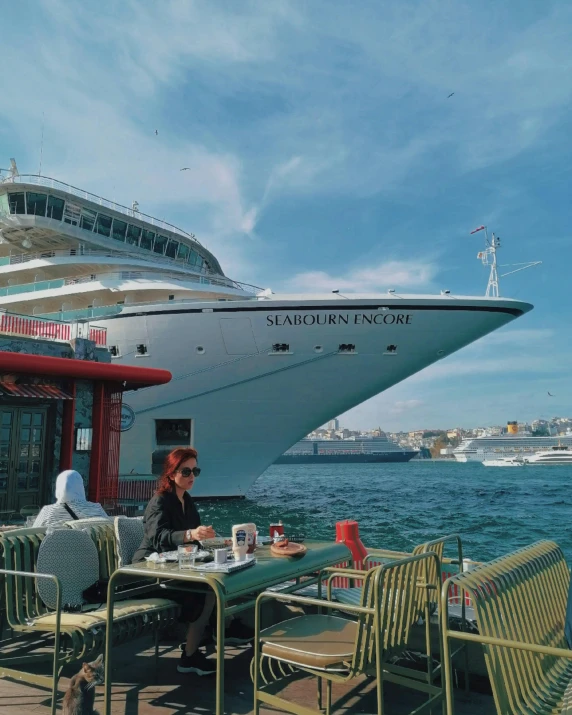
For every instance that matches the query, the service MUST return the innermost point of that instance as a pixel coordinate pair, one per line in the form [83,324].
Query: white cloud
[402,406]
[372,279]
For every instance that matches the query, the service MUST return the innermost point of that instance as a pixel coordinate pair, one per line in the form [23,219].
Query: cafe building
[60,408]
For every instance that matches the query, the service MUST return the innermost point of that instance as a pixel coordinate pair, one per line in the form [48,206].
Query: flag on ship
[480,228]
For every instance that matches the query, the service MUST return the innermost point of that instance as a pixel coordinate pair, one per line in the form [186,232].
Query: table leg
[108,646]
[220,614]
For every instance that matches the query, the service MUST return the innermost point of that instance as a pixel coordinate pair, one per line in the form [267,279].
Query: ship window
[200,261]
[160,243]
[114,350]
[173,433]
[193,255]
[119,229]
[183,253]
[147,238]
[36,203]
[17,203]
[347,348]
[55,208]
[172,247]
[103,225]
[141,349]
[133,235]
[87,219]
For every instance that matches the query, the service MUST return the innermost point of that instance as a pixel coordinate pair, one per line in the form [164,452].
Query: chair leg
[329,697]
[156,643]
[319,692]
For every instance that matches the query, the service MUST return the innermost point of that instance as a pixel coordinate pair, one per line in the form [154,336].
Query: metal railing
[126,275]
[19,258]
[33,326]
[49,183]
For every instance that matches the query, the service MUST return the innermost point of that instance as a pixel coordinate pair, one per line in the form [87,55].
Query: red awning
[130,378]
[50,392]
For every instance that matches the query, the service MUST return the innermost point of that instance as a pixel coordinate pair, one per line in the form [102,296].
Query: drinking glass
[187,555]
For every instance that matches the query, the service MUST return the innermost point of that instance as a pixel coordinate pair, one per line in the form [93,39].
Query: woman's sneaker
[238,633]
[197,663]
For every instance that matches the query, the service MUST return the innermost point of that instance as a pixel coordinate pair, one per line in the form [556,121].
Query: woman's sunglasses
[186,472]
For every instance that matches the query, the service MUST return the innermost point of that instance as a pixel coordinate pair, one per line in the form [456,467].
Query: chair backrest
[29,510]
[392,591]
[72,556]
[103,536]
[432,574]
[20,547]
[129,532]
[521,597]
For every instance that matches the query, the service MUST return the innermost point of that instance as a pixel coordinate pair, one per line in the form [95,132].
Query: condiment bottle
[240,541]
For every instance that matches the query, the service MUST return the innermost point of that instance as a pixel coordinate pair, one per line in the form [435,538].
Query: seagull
[450,95]
[185,168]
[550,394]
[156,132]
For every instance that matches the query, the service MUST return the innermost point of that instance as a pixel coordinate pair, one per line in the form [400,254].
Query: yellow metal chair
[336,648]
[520,602]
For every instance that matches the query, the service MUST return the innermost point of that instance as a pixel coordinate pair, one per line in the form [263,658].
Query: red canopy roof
[42,365]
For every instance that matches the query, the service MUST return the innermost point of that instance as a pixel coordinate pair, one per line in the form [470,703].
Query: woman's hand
[202,532]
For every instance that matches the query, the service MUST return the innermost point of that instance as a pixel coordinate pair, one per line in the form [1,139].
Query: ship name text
[280,319]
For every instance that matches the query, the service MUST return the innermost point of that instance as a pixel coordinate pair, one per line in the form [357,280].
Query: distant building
[334,425]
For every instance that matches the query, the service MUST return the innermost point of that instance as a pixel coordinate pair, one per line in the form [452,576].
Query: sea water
[397,506]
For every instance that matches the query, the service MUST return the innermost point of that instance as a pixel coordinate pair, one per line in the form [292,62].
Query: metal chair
[338,648]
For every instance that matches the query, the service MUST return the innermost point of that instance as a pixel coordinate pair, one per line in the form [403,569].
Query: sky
[325,152]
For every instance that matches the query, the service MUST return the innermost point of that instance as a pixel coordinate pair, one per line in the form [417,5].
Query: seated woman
[171,519]
[70,502]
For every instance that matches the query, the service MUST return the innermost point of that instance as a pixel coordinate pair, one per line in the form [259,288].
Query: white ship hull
[247,404]
[252,372]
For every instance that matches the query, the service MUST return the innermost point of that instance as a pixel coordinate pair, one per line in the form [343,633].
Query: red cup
[276,529]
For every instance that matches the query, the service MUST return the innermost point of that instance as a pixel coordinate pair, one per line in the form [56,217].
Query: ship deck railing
[49,183]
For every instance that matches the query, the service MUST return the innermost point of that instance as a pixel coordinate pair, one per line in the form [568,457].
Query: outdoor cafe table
[268,571]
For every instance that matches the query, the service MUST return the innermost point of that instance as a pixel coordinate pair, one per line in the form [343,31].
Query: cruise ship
[483,449]
[332,451]
[253,372]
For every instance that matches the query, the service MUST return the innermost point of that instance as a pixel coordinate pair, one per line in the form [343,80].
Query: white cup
[220,556]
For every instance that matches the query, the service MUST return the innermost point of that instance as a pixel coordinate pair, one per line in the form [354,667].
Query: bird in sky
[156,132]
[450,95]
[185,168]
[550,394]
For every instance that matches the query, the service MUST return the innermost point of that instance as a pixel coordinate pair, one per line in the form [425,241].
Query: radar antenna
[489,258]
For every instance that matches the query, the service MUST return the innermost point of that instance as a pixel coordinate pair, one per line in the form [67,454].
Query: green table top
[268,570]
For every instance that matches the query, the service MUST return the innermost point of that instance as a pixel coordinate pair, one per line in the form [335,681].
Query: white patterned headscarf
[69,487]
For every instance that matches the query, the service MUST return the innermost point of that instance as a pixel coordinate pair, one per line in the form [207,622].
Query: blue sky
[325,153]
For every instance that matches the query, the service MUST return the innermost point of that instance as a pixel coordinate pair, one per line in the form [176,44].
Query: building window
[17,203]
[119,229]
[133,235]
[183,253]
[36,203]
[103,225]
[55,208]
[147,239]
[172,247]
[160,244]
[141,349]
[87,219]
[173,433]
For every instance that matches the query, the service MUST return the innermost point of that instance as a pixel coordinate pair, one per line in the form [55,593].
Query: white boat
[253,372]
[556,455]
[505,462]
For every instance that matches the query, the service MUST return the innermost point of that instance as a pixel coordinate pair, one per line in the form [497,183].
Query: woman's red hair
[170,466]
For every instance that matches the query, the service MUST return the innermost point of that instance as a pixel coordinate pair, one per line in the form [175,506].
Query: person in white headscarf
[70,502]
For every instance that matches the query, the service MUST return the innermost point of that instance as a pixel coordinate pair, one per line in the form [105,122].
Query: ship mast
[489,258]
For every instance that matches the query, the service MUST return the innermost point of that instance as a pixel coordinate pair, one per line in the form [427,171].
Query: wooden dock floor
[139,690]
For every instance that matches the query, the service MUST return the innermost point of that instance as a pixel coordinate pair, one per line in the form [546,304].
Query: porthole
[318,349]
[200,350]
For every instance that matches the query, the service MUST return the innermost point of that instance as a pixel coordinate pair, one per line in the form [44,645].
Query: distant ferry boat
[490,449]
[375,449]
[555,455]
